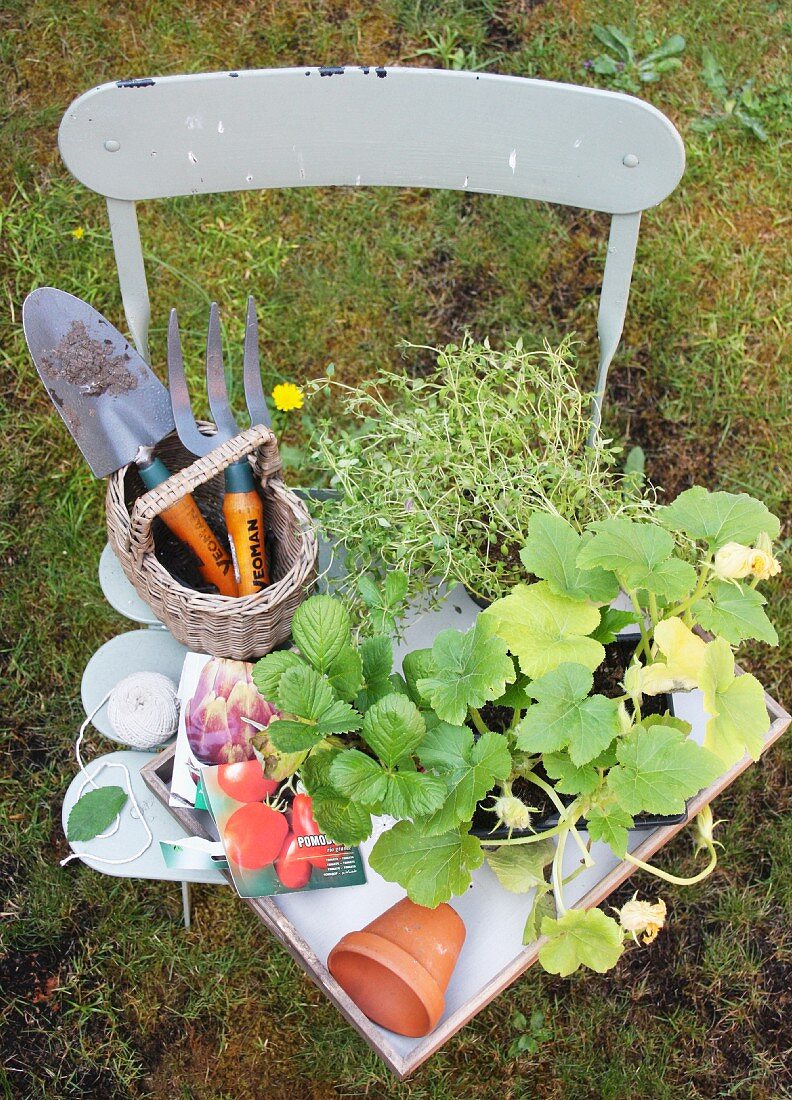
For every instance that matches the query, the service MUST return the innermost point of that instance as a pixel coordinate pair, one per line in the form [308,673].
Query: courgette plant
[367,741]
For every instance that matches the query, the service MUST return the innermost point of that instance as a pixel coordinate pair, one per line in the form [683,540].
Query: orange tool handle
[185,520]
[244,515]
[214,563]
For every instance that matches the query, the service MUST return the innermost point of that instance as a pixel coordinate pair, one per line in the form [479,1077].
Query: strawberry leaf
[321,629]
[393,728]
[268,671]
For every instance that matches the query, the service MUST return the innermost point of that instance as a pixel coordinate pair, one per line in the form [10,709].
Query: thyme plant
[439,476]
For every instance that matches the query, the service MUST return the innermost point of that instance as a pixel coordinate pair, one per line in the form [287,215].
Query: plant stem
[515,720]
[698,591]
[569,814]
[641,623]
[675,879]
[559,805]
[558,859]
[476,719]
[532,839]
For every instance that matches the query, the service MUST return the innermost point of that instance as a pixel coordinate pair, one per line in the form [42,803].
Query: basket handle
[148,506]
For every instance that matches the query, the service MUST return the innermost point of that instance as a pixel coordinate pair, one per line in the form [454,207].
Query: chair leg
[186,904]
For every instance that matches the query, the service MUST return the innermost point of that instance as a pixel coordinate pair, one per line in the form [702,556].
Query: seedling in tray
[514,700]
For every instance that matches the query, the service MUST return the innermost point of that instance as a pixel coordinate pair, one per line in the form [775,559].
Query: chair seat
[130,835]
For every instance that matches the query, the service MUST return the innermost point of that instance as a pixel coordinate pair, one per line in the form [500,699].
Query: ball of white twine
[143,709]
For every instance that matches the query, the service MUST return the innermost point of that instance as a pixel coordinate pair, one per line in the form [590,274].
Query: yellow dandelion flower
[287,396]
[78,233]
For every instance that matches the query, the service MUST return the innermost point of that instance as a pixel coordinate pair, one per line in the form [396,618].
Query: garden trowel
[115,408]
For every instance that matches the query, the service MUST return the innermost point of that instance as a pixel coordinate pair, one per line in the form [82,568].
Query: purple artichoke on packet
[214,716]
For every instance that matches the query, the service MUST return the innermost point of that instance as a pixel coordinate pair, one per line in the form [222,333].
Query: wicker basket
[163,570]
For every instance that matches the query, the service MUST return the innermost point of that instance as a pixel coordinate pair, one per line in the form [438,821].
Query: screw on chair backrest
[263,128]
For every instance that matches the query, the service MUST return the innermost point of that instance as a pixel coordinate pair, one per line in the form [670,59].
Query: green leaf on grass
[468,670]
[94,812]
[580,938]
[521,868]
[610,824]
[268,671]
[550,554]
[738,719]
[718,518]
[468,768]
[658,768]
[321,629]
[430,868]
[393,728]
[566,716]
[640,555]
[735,613]
[544,630]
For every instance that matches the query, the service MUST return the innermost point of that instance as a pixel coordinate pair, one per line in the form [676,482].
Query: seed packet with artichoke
[220,710]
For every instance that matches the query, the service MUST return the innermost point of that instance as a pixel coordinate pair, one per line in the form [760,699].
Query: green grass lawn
[102,993]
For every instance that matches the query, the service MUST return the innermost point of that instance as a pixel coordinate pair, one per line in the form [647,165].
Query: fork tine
[192,439]
[215,380]
[254,391]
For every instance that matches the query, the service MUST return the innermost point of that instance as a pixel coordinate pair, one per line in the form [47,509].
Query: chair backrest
[397,127]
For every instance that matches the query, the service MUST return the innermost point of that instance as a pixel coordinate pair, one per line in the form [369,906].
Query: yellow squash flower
[734,561]
[287,396]
[703,827]
[642,916]
[763,564]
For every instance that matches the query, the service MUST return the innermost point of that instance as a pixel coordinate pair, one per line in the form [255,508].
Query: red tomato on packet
[245,782]
[254,835]
[305,829]
[291,866]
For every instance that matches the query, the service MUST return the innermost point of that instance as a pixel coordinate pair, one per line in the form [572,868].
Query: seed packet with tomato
[271,840]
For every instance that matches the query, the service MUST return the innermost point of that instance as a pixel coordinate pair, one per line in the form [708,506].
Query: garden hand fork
[242,507]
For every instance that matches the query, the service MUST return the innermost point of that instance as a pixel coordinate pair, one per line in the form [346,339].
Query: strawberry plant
[511,706]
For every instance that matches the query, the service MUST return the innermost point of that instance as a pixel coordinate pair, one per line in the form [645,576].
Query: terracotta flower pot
[397,968]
